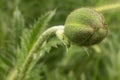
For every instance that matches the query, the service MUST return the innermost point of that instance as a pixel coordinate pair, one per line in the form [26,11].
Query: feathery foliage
[29,40]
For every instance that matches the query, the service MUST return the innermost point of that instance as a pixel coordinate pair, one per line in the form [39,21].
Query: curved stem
[43,37]
[108,7]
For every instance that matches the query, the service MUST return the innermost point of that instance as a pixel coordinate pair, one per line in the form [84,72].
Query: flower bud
[85,27]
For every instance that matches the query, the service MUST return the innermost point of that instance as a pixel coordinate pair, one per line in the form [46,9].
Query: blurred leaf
[30,37]
[18,25]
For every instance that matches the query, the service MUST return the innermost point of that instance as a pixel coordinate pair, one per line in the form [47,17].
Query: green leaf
[18,25]
[30,37]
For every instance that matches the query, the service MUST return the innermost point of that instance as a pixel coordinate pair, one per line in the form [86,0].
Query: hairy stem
[108,7]
[44,36]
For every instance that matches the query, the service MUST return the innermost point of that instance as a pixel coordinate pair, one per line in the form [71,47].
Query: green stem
[108,7]
[44,36]
[12,74]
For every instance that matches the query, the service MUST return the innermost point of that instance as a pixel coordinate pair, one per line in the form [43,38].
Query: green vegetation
[22,57]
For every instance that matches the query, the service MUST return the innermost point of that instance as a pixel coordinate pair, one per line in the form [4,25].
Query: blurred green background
[98,62]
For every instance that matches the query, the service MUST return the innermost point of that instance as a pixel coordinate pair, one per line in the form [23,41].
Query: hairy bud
[85,27]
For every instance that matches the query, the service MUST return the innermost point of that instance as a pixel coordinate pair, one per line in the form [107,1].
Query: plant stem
[12,74]
[43,37]
[108,7]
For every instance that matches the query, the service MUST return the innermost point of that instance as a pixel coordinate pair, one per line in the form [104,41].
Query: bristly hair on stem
[44,36]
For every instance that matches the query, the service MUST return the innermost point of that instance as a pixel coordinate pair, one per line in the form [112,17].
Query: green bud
[85,27]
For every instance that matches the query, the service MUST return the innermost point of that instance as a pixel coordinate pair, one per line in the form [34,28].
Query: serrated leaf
[53,42]
[30,37]
[48,45]
[18,25]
